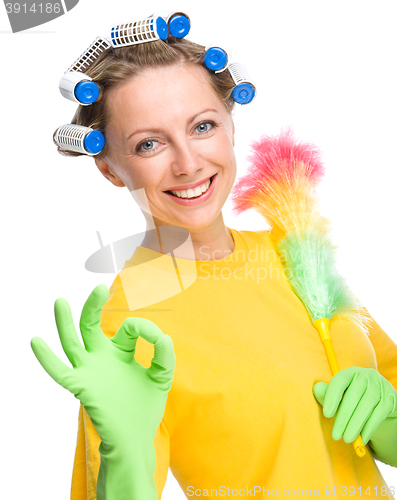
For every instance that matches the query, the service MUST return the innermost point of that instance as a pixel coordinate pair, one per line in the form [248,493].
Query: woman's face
[168,129]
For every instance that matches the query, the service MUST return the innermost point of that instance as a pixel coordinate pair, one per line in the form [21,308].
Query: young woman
[240,418]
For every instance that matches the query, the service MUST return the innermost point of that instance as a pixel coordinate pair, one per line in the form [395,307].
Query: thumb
[319,391]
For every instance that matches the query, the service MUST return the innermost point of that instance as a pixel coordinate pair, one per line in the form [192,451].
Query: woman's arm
[126,471]
[369,405]
[86,468]
[383,442]
[82,488]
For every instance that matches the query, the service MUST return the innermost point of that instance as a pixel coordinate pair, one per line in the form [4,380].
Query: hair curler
[217,56]
[244,91]
[145,30]
[74,84]
[98,46]
[78,87]
[178,22]
[79,139]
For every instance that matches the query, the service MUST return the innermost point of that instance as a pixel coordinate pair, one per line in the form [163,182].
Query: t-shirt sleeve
[385,351]
[87,457]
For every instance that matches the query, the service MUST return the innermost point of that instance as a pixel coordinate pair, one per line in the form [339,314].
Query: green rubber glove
[124,400]
[368,407]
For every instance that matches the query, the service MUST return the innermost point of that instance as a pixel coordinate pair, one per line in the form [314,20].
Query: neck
[211,242]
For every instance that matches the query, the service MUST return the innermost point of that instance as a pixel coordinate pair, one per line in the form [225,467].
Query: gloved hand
[124,400]
[368,402]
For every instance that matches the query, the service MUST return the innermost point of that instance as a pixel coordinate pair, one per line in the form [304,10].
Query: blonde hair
[116,66]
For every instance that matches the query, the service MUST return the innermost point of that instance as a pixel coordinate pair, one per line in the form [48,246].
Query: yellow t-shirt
[240,413]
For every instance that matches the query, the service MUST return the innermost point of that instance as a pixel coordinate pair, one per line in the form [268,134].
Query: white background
[327,68]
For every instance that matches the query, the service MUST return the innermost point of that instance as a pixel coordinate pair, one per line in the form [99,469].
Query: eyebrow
[161,131]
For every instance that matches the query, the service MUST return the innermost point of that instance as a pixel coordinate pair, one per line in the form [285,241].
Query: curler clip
[80,139]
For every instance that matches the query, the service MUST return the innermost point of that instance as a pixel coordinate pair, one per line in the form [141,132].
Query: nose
[186,158]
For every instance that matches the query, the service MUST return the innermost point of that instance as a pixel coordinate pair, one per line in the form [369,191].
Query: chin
[197,221]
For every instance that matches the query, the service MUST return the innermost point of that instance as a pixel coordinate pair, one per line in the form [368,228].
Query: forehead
[176,90]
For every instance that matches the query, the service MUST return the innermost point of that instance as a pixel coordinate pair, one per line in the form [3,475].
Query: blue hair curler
[244,90]
[145,30]
[178,22]
[217,57]
[94,141]
[74,84]
[86,92]
[78,87]
[179,25]
[80,139]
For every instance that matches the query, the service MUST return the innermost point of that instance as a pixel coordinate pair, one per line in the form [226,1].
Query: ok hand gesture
[124,400]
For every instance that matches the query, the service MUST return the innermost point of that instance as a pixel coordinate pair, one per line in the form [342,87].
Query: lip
[195,201]
[184,187]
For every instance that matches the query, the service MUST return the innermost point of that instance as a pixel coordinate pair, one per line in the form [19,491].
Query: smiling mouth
[193,197]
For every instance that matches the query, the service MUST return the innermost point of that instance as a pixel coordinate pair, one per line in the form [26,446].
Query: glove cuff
[127,473]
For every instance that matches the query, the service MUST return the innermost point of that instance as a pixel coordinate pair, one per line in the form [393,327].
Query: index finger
[336,388]
[90,320]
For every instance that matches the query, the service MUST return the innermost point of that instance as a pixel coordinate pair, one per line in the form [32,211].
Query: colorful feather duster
[280,184]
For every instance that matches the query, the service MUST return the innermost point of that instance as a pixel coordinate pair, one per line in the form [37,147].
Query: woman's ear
[103,167]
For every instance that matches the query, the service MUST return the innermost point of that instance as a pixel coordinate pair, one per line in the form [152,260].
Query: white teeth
[191,193]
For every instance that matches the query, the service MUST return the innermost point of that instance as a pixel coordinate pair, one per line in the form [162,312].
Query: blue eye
[147,143]
[205,126]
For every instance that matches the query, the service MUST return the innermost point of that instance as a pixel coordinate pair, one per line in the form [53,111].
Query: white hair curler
[79,139]
[78,87]
[74,84]
[98,46]
[145,30]
[178,22]
[244,91]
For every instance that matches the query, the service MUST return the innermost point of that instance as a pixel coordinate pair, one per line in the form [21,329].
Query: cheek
[228,158]
[220,152]
[148,178]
